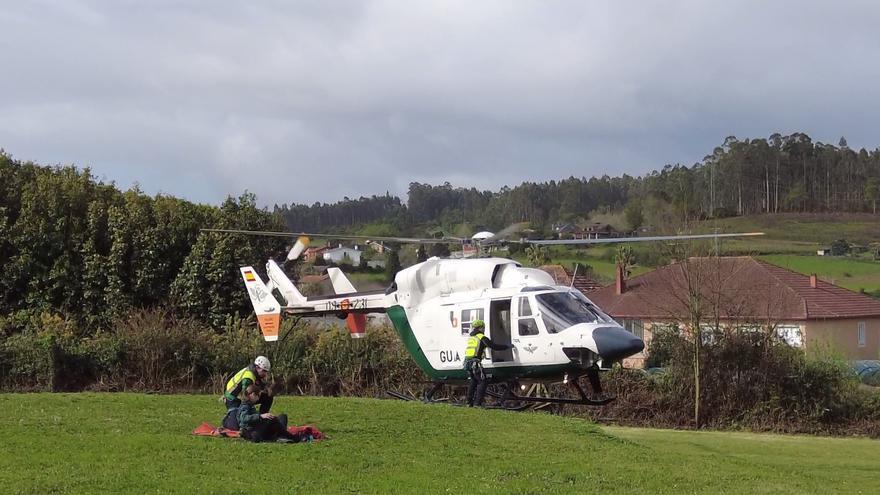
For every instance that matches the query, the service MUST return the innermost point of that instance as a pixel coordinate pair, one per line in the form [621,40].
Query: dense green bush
[153,350]
[749,380]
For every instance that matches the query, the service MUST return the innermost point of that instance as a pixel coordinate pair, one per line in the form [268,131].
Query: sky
[313,101]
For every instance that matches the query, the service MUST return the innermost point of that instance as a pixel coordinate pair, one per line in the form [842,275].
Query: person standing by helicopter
[473,357]
[257,374]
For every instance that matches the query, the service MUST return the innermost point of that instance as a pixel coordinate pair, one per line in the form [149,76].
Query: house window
[709,333]
[467,317]
[790,334]
[861,334]
[635,327]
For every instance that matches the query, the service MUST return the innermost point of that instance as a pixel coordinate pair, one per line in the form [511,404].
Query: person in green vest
[257,374]
[473,357]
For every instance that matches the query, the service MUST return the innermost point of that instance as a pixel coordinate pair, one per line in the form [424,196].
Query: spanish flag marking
[249,276]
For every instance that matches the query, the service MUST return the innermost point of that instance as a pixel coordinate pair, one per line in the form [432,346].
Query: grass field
[110,443]
[818,228]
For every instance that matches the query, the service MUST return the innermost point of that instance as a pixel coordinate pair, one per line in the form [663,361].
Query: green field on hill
[135,443]
[818,229]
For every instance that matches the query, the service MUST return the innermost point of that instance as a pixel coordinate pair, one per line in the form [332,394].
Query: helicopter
[556,333]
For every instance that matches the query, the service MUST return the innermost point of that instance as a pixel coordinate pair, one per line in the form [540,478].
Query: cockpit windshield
[560,310]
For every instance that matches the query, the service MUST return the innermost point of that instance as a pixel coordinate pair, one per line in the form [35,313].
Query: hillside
[113,443]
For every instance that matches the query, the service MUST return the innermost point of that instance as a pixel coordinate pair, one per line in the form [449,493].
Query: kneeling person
[261,427]
[257,373]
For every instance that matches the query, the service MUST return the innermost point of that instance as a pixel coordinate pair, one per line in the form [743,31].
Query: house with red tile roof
[747,293]
[563,276]
[314,252]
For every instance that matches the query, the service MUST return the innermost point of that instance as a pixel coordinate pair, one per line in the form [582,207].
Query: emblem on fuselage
[530,348]
[258,293]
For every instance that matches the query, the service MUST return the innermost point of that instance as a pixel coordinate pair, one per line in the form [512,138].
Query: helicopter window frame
[527,305]
[468,316]
[526,323]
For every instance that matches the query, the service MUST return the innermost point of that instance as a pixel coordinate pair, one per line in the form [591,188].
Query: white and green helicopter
[557,334]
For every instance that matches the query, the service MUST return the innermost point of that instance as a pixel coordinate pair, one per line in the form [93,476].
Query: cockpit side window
[524,308]
[526,324]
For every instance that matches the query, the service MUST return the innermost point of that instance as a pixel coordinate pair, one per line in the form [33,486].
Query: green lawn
[110,443]
[603,268]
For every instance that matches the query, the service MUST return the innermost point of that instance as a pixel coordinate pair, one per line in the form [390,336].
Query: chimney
[814,281]
[620,283]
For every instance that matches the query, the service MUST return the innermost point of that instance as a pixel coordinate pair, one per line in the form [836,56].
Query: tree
[872,192]
[392,263]
[625,258]
[440,250]
[421,254]
[796,195]
[839,247]
[634,215]
[538,255]
[694,292]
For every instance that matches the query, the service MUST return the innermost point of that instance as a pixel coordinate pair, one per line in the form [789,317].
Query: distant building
[600,231]
[313,252]
[753,295]
[343,256]
[377,246]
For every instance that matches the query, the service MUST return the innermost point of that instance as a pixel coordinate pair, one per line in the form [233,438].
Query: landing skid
[535,398]
[584,400]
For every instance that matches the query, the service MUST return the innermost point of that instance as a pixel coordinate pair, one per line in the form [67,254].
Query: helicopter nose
[613,343]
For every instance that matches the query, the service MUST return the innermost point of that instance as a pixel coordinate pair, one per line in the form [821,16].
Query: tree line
[75,246]
[777,174]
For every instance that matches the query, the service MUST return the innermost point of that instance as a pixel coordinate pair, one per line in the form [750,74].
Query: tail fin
[341,283]
[265,306]
[356,322]
[357,325]
[284,285]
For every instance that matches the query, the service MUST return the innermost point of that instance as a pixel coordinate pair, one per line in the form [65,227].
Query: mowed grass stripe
[133,443]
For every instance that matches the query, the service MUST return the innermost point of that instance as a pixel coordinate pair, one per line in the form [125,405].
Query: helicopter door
[499,328]
[526,333]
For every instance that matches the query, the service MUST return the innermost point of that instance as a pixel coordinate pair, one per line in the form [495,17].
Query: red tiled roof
[563,277]
[739,287]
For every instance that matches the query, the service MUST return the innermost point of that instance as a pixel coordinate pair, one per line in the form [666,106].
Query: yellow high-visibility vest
[473,343]
[233,386]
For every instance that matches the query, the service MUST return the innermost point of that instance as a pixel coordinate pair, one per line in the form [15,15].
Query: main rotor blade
[504,233]
[408,240]
[613,240]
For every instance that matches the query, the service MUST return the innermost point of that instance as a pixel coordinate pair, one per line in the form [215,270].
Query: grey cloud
[312,101]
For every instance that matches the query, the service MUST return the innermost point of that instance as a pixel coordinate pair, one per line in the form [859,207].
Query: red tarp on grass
[208,430]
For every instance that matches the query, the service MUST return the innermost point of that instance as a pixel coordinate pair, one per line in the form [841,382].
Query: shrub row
[749,381]
[151,350]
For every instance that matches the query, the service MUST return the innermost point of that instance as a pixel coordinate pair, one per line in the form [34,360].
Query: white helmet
[263,362]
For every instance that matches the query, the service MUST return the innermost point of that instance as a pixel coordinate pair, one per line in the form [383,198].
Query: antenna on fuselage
[575,274]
